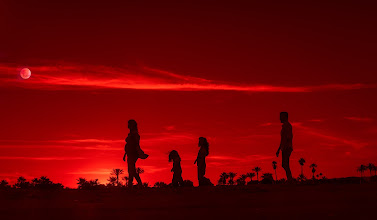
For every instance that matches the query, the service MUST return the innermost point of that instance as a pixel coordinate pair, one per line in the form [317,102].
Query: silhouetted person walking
[285,144]
[201,161]
[133,152]
[177,169]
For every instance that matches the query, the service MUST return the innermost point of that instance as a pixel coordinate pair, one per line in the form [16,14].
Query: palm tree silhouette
[302,162]
[251,176]
[241,181]
[117,172]
[274,166]
[139,170]
[361,169]
[371,167]
[223,177]
[257,170]
[231,177]
[112,180]
[375,169]
[313,166]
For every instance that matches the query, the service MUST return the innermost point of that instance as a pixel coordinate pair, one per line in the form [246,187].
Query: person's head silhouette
[202,141]
[173,155]
[283,117]
[132,125]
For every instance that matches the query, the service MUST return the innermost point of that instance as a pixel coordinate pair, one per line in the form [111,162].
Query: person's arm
[124,156]
[197,157]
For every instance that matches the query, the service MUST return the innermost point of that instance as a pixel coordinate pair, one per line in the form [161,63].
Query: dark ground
[349,201]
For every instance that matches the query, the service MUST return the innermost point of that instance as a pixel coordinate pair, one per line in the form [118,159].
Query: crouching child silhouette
[177,169]
[133,152]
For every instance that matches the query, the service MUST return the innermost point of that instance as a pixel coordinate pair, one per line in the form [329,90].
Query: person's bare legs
[138,179]
[131,162]
[285,164]
[201,172]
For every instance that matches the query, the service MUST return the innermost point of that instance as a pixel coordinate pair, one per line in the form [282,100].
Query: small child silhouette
[177,169]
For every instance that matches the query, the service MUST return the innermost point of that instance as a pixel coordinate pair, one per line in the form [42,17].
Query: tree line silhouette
[116,180]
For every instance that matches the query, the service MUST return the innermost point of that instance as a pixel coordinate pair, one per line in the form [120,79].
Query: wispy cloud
[101,171]
[244,158]
[40,158]
[102,144]
[316,120]
[335,139]
[361,119]
[144,78]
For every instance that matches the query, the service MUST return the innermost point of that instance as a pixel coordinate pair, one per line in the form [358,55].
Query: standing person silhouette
[201,160]
[285,144]
[133,152]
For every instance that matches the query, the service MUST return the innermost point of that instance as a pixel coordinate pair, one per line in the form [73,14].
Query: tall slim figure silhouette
[133,152]
[201,160]
[285,144]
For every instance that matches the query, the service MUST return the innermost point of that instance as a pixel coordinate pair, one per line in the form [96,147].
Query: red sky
[184,70]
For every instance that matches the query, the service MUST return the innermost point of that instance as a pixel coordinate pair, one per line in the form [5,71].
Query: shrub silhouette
[4,184]
[160,185]
[22,183]
[188,183]
[251,176]
[82,183]
[231,178]
[112,181]
[301,178]
[241,181]
[125,178]
[267,178]
[45,183]
[139,170]
[89,185]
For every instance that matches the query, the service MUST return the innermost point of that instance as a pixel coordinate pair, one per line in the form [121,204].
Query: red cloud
[145,78]
[359,119]
[40,158]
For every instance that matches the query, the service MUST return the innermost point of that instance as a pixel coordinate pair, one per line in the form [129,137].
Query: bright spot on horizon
[25,73]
